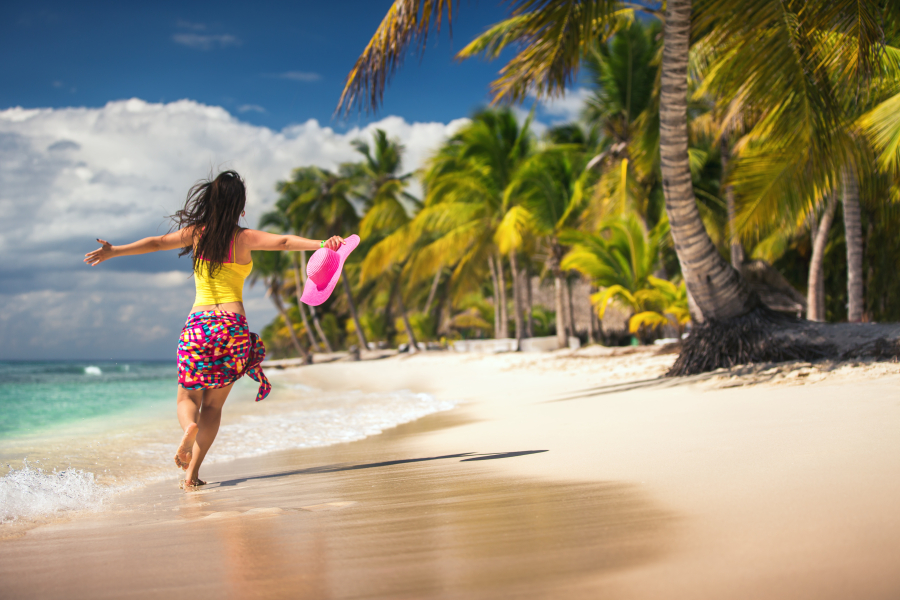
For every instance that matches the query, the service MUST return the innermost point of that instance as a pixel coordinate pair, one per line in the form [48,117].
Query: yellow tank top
[226,286]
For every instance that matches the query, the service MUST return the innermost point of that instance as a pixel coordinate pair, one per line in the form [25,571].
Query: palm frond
[407,22]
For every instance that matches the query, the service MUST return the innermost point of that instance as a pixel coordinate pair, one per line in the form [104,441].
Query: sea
[74,434]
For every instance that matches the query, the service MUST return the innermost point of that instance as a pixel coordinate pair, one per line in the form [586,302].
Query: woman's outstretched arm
[263,240]
[169,241]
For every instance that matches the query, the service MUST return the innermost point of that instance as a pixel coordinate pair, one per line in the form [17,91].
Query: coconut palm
[545,198]
[464,205]
[551,37]
[321,199]
[387,207]
[804,147]
[620,259]
[278,220]
[269,267]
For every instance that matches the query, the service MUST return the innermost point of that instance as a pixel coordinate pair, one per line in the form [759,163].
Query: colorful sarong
[216,349]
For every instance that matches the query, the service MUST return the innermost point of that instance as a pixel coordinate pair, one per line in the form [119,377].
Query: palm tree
[269,267]
[321,199]
[552,37]
[464,206]
[279,221]
[620,259]
[549,191]
[386,205]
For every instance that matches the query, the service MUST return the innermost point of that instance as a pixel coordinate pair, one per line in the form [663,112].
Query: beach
[570,474]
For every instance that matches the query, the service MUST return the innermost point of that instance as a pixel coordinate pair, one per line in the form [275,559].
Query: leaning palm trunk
[359,330]
[274,293]
[504,315]
[496,297]
[815,300]
[853,234]
[737,249]
[716,287]
[413,344]
[517,298]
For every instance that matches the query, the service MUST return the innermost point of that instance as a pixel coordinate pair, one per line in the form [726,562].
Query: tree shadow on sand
[336,468]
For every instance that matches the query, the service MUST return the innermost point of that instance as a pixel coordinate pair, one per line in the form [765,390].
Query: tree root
[761,335]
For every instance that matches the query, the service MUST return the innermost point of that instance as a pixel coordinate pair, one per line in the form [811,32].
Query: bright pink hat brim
[313,295]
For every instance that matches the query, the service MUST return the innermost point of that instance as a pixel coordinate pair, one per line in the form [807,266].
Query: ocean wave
[29,493]
[323,419]
[340,418]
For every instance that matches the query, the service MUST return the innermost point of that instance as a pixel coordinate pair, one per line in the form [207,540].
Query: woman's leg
[208,427]
[189,403]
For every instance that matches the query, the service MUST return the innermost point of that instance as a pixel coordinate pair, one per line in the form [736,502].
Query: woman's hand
[102,253]
[334,242]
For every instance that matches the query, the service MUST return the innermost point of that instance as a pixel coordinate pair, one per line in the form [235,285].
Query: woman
[216,347]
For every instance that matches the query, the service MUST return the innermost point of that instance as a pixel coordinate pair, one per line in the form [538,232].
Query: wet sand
[579,480]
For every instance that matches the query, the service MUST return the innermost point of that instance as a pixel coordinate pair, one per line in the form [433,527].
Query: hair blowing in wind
[213,207]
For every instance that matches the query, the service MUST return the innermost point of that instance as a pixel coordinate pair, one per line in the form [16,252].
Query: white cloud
[565,109]
[304,76]
[206,42]
[251,108]
[68,176]
[555,111]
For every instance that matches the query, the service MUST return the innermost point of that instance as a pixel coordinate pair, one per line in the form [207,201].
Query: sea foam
[344,417]
[29,493]
[316,419]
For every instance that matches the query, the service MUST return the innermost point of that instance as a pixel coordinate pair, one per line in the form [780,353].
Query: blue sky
[109,112]
[270,63]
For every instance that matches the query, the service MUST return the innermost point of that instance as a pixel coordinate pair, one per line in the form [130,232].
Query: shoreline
[702,488]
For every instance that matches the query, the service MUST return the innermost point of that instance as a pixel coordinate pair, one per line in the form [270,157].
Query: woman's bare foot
[185,449]
[189,485]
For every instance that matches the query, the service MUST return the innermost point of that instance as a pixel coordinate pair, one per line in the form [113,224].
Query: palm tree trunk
[388,308]
[530,321]
[853,235]
[517,298]
[276,300]
[312,310]
[413,344]
[815,294]
[300,306]
[561,338]
[504,315]
[737,249]
[496,297]
[432,291]
[718,290]
[359,330]
[590,323]
[571,308]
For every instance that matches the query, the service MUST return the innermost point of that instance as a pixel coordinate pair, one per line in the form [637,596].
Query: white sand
[776,482]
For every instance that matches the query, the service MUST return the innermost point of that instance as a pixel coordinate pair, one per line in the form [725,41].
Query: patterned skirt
[216,349]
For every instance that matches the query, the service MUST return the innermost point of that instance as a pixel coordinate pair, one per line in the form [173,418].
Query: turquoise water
[72,434]
[36,397]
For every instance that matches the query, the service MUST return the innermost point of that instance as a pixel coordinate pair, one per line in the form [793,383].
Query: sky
[109,112]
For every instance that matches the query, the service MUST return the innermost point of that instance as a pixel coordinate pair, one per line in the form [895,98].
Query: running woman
[216,347]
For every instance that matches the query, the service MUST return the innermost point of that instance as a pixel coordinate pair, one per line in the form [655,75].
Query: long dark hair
[213,207]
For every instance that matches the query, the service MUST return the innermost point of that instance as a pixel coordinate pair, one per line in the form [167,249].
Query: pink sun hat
[324,270]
